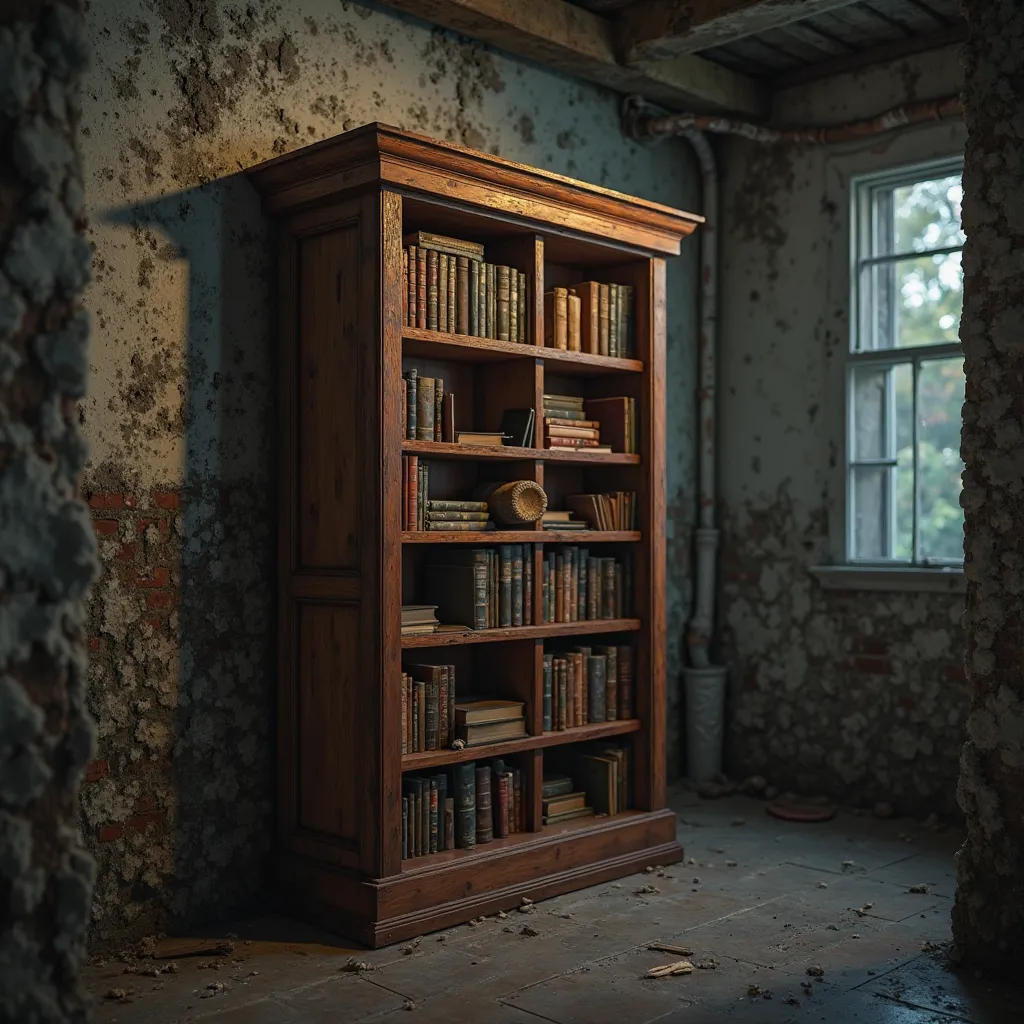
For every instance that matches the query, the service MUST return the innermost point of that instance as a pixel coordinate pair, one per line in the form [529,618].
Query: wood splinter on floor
[667,947]
[679,967]
[172,949]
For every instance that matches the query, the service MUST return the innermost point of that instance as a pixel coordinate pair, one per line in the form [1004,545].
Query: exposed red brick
[167,499]
[140,822]
[95,643]
[158,577]
[127,552]
[161,524]
[161,599]
[872,666]
[96,771]
[145,804]
[155,622]
[870,645]
[108,833]
[112,500]
[106,527]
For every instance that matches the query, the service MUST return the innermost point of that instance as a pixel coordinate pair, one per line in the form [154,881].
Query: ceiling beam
[579,43]
[667,29]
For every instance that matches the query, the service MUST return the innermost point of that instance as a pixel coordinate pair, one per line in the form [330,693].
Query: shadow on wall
[181,801]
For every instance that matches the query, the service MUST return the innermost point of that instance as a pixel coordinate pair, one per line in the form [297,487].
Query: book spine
[597,694]
[581,590]
[552,590]
[547,694]
[572,307]
[446,505]
[442,291]
[501,809]
[405,408]
[628,602]
[424,798]
[405,828]
[443,526]
[405,291]
[592,316]
[613,320]
[502,302]
[593,588]
[414,493]
[560,587]
[484,812]
[563,692]
[513,304]
[517,584]
[444,740]
[577,688]
[574,584]
[421,715]
[630,337]
[625,663]
[524,311]
[410,286]
[438,406]
[424,490]
[617,602]
[603,300]
[452,291]
[505,593]
[449,823]
[433,817]
[492,301]
[566,588]
[544,592]
[432,290]
[405,718]
[607,607]
[474,298]
[465,805]
[480,581]
[421,288]
[611,683]
[455,517]
[462,295]
[425,409]
[527,584]
[411,404]
[451,704]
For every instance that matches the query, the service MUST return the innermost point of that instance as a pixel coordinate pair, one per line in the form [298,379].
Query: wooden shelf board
[521,536]
[556,738]
[444,450]
[483,636]
[574,827]
[465,348]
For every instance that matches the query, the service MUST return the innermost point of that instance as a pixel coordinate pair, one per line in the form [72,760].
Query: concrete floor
[804,923]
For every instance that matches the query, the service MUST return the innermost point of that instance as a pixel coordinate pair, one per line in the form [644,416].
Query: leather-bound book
[465,805]
[462,295]
[484,811]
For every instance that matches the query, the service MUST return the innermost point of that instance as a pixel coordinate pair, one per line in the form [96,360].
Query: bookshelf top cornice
[379,155]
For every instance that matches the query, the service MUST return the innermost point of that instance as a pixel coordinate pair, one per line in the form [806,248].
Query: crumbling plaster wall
[181,97]
[860,695]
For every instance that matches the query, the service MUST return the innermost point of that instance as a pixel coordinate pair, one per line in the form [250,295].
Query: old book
[572,309]
[565,802]
[409,814]
[445,505]
[432,289]
[411,402]
[405,718]
[483,302]
[474,298]
[505,585]
[563,692]
[458,581]
[442,291]
[421,288]
[465,805]
[579,692]
[577,442]
[484,812]
[444,243]
[444,736]
[611,699]
[462,295]
[490,732]
[492,439]
[566,416]
[629,347]
[556,324]
[450,306]
[513,304]
[476,711]
[517,584]
[432,840]
[424,805]
[524,311]
[421,494]
[405,291]
[546,706]
[597,667]
[502,310]
[589,433]
[441,781]
[417,746]
[518,802]
[476,525]
[410,286]
[613,320]
[589,293]
[448,418]
[500,788]
[425,409]
[617,590]
[572,598]
[405,827]
[603,300]
[527,584]
[581,812]
[492,301]
[438,406]
[449,823]
[554,785]
[456,517]
[421,713]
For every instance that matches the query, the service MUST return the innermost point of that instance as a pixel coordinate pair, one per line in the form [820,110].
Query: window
[905,377]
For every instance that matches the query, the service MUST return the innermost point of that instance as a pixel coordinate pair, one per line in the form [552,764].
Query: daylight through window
[905,377]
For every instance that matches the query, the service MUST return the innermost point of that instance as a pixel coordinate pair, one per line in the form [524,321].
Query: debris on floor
[667,947]
[528,931]
[815,971]
[175,949]
[354,966]
[679,967]
[646,890]
[920,889]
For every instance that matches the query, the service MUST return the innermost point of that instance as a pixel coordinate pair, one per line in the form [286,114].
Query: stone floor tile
[861,1008]
[421,976]
[888,901]
[938,873]
[473,1009]
[263,1011]
[346,1000]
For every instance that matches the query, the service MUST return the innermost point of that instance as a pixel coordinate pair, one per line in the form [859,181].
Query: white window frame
[862,211]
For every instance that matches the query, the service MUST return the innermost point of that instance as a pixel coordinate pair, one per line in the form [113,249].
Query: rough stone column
[47,550]
[988,918]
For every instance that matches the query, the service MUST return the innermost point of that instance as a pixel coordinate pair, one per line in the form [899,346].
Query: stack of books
[590,317]
[561,801]
[616,419]
[450,288]
[566,424]
[587,685]
[419,619]
[428,708]
[421,512]
[601,770]
[483,588]
[578,587]
[487,802]
[614,511]
[561,520]
[428,411]
[480,720]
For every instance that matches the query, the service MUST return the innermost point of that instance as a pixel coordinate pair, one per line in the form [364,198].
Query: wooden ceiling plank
[662,29]
[578,42]
[920,15]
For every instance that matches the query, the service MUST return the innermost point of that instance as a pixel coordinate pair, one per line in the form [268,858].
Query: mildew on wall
[182,97]
[859,694]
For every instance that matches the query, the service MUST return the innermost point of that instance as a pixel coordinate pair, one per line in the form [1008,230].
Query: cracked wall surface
[858,695]
[47,551]
[988,918]
[182,96]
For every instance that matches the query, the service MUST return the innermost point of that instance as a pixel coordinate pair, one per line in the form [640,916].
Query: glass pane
[927,215]
[869,505]
[912,302]
[869,404]
[940,398]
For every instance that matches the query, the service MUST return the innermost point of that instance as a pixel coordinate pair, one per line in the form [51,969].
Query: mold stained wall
[182,96]
[860,695]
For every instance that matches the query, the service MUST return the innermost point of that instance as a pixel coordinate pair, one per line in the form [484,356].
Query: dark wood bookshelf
[345,566]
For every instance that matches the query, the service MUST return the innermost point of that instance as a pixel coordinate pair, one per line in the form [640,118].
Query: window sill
[894,578]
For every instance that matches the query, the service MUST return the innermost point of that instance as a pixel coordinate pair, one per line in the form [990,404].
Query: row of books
[487,802]
[578,587]
[420,512]
[428,411]
[450,288]
[614,511]
[587,778]
[483,588]
[596,424]
[590,317]
[587,685]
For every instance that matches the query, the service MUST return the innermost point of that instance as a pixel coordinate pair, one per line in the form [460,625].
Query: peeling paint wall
[182,96]
[860,695]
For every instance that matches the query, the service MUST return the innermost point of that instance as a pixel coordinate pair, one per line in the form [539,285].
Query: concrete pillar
[988,918]
[47,550]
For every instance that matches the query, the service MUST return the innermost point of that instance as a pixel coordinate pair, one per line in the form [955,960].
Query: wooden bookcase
[345,565]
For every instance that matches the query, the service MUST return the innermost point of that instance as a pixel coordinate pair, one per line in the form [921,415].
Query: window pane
[870,505]
[870,401]
[912,302]
[927,215]
[940,398]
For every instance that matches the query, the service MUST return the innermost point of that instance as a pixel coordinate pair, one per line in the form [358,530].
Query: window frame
[863,211]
